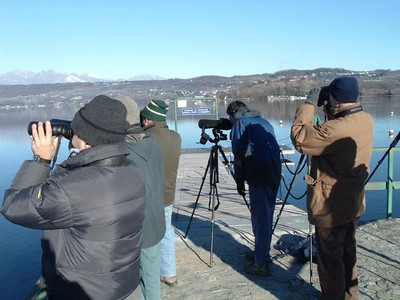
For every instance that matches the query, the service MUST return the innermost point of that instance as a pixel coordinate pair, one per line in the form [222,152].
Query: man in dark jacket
[341,152]
[90,208]
[257,161]
[154,116]
[146,153]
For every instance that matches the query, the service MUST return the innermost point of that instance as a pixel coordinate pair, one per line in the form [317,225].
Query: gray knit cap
[101,121]
[132,108]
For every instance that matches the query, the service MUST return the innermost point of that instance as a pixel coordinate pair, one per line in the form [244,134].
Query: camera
[323,95]
[58,128]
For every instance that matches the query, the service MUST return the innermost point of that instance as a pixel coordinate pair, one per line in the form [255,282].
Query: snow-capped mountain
[49,76]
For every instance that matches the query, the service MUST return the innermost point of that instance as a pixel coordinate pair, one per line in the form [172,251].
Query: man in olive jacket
[340,151]
[154,120]
[90,208]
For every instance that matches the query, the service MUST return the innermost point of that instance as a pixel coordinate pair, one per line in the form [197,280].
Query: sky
[120,39]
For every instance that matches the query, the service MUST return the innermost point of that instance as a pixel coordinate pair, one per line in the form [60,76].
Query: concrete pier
[211,245]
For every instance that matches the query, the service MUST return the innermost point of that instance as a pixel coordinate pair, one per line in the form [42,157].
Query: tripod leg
[198,196]
[288,192]
[211,202]
[212,165]
[213,195]
[311,252]
[226,163]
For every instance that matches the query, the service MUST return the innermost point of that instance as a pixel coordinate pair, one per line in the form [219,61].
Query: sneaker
[255,269]
[250,256]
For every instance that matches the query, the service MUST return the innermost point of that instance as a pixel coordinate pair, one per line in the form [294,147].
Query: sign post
[198,106]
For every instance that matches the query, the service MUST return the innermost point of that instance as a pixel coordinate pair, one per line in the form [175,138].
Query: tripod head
[218,136]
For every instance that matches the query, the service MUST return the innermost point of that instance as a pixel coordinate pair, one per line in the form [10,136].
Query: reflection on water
[20,259]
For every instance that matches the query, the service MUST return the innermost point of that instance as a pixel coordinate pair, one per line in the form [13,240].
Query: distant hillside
[299,82]
[260,86]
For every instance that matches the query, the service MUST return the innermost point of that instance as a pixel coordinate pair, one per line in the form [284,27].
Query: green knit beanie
[156,110]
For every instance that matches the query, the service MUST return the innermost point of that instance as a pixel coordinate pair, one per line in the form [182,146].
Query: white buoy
[280,122]
[391,113]
[391,132]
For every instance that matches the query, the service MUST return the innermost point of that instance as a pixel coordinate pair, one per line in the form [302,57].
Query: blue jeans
[168,260]
[150,272]
[262,203]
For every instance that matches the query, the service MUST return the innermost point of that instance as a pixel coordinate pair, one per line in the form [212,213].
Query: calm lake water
[20,247]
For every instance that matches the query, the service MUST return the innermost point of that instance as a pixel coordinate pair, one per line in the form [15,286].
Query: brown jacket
[341,152]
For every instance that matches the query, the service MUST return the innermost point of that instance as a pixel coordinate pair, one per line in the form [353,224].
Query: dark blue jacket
[256,151]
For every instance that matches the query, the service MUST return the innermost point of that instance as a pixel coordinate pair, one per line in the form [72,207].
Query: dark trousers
[262,206]
[337,257]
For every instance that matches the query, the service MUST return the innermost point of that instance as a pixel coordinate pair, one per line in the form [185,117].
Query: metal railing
[389,184]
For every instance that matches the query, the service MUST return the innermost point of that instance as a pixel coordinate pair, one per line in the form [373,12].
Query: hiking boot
[255,269]
[250,256]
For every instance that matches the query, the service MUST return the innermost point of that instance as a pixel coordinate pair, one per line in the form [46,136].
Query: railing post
[216,108]
[176,114]
[390,186]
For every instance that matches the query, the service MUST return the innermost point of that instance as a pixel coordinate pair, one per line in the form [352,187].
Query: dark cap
[344,89]
[234,106]
[101,121]
[132,109]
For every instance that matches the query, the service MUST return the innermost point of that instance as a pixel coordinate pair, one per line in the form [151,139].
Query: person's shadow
[283,282]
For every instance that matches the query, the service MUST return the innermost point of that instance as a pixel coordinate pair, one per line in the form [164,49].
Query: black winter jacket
[91,213]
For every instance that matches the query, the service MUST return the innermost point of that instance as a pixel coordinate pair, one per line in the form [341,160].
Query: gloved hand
[313,96]
[240,188]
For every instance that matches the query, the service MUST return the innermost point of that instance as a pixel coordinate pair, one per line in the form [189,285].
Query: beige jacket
[340,151]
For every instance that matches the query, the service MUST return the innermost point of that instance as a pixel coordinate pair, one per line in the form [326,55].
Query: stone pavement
[211,245]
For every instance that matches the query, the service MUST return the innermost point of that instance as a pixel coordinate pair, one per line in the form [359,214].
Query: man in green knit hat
[154,117]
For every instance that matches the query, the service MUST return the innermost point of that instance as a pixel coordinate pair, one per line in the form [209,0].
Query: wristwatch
[41,160]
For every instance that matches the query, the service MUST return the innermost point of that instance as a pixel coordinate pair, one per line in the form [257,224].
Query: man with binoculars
[340,151]
[90,207]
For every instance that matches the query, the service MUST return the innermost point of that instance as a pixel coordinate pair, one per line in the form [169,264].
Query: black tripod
[298,170]
[309,238]
[212,166]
